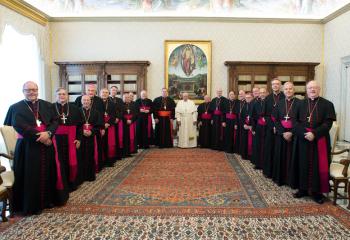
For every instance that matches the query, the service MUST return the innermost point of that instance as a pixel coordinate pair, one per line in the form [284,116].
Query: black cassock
[204,123]
[240,122]
[118,111]
[89,145]
[271,102]
[109,147]
[97,105]
[283,167]
[144,123]
[246,144]
[69,130]
[39,183]
[314,157]
[259,124]
[217,107]
[164,111]
[130,112]
[230,131]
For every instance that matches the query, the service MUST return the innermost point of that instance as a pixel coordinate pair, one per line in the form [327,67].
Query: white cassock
[186,114]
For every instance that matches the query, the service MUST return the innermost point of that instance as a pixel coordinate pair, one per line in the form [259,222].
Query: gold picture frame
[188,68]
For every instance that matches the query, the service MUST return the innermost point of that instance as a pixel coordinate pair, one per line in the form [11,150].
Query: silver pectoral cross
[164,107]
[286,118]
[38,122]
[309,118]
[63,118]
[128,111]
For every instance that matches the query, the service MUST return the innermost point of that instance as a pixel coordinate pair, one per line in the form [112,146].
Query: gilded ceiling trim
[26,10]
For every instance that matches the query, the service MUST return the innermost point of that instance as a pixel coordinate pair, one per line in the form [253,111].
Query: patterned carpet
[183,194]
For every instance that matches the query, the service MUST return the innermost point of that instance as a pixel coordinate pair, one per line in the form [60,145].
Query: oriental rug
[183,194]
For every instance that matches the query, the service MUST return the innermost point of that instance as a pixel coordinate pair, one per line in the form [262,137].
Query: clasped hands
[44,138]
[309,136]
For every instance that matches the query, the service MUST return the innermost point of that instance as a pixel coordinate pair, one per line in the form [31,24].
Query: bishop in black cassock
[144,121]
[97,105]
[92,123]
[68,137]
[314,120]
[109,146]
[246,144]
[271,102]
[130,113]
[285,115]
[259,129]
[240,120]
[217,107]
[37,171]
[164,114]
[204,123]
[230,133]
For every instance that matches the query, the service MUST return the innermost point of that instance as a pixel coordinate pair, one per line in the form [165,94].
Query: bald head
[288,89]
[313,89]
[143,94]
[30,91]
[86,101]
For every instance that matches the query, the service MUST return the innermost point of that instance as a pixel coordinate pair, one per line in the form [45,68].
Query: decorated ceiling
[304,9]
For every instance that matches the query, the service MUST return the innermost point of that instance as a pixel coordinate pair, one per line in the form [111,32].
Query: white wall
[337,46]
[83,41]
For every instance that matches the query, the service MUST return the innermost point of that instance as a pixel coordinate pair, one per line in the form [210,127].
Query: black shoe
[300,194]
[318,198]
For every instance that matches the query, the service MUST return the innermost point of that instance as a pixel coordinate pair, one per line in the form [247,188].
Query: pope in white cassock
[186,118]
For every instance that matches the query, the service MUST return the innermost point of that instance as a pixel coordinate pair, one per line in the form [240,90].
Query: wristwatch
[50,133]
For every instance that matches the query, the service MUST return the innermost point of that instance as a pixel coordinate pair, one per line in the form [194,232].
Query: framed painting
[188,68]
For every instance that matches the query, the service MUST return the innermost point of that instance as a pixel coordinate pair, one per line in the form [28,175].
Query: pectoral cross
[38,122]
[63,118]
[128,111]
[164,107]
[286,118]
[309,118]
[248,117]
[106,114]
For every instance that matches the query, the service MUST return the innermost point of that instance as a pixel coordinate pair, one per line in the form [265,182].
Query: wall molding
[26,10]
[345,84]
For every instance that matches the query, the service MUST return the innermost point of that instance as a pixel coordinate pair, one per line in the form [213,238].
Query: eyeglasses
[30,90]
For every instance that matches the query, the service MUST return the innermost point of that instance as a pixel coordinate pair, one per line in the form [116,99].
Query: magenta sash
[111,141]
[70,131]
[250,143]
[217,112]
[262,121]
[132,130]
[89,127]
[323,167]
[111,138]
[231,116]
[149,119]
[287,124]
[206,116]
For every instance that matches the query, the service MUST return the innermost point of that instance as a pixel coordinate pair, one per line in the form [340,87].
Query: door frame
[344,95]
